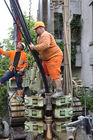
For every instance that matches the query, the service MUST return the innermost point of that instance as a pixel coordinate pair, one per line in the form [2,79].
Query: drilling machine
[39,116]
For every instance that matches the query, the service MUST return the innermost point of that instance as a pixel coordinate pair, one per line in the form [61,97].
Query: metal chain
[29,13]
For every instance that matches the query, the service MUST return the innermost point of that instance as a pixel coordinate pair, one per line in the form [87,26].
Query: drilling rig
[40,117]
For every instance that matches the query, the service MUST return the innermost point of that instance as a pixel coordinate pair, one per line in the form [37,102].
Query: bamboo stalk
[67,49]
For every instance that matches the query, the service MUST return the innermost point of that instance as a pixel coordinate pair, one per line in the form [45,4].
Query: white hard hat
[23,45]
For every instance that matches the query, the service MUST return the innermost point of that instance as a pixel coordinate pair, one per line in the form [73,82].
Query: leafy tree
[86,98]
[8,44]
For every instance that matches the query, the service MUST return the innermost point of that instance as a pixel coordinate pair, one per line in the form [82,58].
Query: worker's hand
[21,71]
[31,45]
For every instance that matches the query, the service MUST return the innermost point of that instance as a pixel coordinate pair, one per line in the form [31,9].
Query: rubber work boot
[58,93]
[42,91]
[19,95]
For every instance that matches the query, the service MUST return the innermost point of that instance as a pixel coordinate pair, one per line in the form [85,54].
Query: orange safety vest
[23,61]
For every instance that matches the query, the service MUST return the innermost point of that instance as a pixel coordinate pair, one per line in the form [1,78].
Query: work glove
[31,45]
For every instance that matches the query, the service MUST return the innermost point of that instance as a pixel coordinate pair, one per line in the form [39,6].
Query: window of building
[58,26]
[76,28]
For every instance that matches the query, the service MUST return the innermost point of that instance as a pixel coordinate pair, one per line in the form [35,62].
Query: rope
[68,88]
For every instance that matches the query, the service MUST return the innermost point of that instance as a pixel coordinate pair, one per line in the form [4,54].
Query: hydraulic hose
[20,17]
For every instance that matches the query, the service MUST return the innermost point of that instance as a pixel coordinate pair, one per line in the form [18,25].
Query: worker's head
[20,46]
[39,24]
[23,45]
[39,27]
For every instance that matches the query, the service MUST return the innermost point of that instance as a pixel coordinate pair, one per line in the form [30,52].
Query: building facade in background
[50,11]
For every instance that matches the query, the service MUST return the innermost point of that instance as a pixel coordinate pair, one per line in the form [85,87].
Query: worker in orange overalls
[51,56]
[18,59]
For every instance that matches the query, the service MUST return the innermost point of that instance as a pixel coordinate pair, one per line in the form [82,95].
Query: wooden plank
[16,103]
[17,108]
[17,114]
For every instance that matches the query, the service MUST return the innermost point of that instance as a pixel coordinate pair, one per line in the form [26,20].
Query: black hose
[18,13]
[20,16]
[23,22]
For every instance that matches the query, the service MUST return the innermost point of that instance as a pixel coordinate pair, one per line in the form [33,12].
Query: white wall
[86,70]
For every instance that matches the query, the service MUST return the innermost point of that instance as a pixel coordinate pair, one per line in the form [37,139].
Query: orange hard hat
[39,24]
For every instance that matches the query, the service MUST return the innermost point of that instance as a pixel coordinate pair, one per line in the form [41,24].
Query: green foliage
[76,28]
[61,45]
[75,75]
[75,36]
[73,51]
[30,60]
[30,25]
[86,96]
[3,102]
[58,25]
[8,44]
[4,65]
